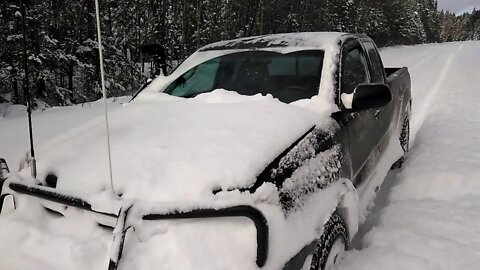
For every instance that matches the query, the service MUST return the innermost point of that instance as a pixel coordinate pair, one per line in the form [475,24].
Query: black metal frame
[119,238]
[249,212]
[123,226]
[50,195]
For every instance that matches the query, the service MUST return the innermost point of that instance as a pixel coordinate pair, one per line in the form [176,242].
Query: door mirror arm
[343,116]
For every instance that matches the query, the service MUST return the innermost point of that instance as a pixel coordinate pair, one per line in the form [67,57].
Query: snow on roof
[304,39]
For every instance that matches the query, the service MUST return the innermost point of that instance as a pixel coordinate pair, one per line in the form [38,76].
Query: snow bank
[48,123]
[31,239]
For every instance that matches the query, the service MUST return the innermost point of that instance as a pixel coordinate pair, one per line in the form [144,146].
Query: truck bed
[399,81]
[392,71]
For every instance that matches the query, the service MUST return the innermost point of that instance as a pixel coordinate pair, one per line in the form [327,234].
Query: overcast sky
[458,6]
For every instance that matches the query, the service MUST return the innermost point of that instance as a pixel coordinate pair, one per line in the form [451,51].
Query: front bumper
[128,213]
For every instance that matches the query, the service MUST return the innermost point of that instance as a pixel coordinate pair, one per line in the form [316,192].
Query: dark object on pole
[27,91]
[157,55]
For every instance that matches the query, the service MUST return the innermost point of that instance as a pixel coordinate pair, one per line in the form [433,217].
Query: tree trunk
[199,18]
[90,19]
[70,77]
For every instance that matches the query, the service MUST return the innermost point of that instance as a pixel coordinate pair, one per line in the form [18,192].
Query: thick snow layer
[427,216]
[31,239]
[291,40]
[180,149]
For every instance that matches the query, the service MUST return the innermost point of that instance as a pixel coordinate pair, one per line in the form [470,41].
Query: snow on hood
[177,149]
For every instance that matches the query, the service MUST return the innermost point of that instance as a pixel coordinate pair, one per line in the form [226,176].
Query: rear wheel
[331,246]
[404,141]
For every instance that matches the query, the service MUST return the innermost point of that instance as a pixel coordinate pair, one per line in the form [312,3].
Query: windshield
[288,77]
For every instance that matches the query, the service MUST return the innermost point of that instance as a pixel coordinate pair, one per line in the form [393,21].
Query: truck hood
[172,149]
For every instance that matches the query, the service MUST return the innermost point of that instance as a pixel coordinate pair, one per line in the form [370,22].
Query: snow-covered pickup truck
[255,153]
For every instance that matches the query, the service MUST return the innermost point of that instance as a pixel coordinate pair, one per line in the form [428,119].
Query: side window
[354,71]
[377,72]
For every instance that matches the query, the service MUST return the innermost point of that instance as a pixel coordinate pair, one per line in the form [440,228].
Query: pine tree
[63,52]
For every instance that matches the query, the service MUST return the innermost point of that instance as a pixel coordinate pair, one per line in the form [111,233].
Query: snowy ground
[427,215]
[14,144]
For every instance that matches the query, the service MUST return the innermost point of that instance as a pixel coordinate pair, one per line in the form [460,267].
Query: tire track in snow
[420,112]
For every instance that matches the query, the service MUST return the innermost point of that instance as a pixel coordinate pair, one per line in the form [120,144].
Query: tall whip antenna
[102,74]
[27,93]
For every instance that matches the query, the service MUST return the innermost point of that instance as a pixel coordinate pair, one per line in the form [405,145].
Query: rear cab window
[376,67]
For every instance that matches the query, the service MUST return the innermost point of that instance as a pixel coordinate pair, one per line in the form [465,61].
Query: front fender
[347,208]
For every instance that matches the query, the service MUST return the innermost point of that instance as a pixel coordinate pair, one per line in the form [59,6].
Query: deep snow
[427,215]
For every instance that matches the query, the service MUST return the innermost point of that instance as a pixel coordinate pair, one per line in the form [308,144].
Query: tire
[331,244]
[404,141]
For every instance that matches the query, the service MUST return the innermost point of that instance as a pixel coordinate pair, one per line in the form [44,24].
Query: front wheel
[331,246]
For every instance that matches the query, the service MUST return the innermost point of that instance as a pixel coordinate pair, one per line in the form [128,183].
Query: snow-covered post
[27,91]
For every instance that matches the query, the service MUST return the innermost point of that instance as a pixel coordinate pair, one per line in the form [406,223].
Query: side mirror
[368,96]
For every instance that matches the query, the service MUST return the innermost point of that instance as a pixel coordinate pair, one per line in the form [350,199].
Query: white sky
[458,6]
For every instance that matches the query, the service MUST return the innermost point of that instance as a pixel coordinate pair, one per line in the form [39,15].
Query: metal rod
[104,91]
[249,212]
[27,92]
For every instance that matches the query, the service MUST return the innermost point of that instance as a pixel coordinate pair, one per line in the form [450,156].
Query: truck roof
[303,39]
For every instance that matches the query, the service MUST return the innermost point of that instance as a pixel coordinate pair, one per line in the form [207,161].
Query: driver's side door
[363,127]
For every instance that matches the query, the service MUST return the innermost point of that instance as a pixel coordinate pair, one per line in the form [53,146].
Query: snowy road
[427,215]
